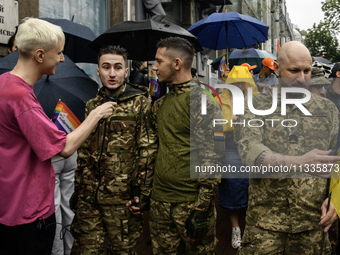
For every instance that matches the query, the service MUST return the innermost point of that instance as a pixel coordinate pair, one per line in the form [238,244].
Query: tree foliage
[321,41]
[302,32]
[331,8]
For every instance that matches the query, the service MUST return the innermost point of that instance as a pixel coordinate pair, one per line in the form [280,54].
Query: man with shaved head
[292,153]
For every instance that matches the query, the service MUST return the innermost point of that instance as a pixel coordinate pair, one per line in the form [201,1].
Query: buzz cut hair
[178,47]
[115,50]
[34,33]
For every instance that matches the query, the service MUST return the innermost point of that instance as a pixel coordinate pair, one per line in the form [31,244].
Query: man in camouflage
[115,165]
[182,210]
[284,215]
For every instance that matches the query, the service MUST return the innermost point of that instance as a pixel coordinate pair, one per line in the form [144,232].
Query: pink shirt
[28,140]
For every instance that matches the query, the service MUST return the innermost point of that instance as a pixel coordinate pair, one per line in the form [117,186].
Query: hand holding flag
[154,87]
[64,118]
[222,68]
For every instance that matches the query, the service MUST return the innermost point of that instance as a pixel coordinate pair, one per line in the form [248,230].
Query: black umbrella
[139,38]
[77,37]
[69,84]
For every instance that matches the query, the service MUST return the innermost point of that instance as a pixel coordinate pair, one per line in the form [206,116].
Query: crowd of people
[131,155]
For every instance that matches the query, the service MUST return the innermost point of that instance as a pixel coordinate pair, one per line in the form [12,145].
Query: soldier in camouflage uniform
[186,139]
[284,211]
[115,165]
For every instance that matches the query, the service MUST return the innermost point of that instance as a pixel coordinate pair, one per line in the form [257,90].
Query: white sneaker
[236,238]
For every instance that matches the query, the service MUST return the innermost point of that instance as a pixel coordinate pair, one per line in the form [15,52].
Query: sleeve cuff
[254,152]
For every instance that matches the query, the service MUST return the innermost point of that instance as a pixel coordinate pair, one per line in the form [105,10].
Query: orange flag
[278,44]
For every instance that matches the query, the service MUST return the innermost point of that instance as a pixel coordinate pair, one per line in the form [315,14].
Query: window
[173,10]
[91,13]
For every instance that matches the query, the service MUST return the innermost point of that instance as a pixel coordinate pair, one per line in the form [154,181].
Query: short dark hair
[335,68]
[179,48]
[193,71]
[115,50]
[136,65]
[10,42]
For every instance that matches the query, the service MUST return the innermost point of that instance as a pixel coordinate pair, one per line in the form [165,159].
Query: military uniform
[286,205]
[186,140]
[333,96]
[115,161]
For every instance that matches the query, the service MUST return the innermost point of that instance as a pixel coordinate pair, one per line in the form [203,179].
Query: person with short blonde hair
[36,33]
[28,141]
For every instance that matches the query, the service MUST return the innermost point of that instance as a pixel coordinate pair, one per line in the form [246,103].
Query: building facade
[101,14]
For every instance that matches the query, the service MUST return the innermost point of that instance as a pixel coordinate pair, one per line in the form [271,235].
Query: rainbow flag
[223,66]
[155,89]
[64,118]
[218,136]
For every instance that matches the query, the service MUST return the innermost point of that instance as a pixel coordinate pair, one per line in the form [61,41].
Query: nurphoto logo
[238,103]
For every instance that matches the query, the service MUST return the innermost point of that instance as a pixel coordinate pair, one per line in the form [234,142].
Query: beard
[295,95]
[294,83]
[168,78]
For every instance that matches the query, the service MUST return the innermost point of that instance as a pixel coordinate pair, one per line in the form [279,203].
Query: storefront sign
[9,19]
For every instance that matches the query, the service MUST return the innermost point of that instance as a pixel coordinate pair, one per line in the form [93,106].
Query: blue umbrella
[229,30]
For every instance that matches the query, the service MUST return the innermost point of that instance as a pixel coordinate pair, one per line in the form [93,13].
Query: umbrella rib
[239,33]
[244,31]
[259,31]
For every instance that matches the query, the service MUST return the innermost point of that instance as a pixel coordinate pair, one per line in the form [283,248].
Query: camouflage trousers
[167,228]
[104,229]
[257,241]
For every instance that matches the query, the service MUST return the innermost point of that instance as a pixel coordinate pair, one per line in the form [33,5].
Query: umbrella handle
[226,34]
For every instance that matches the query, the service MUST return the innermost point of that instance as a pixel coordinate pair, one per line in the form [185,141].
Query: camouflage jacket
[119,154]
[286,204]
[186,140]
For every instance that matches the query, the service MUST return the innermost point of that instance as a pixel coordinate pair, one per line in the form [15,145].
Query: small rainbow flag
[155,89]
[64,118]
[222,67]
[218,136]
